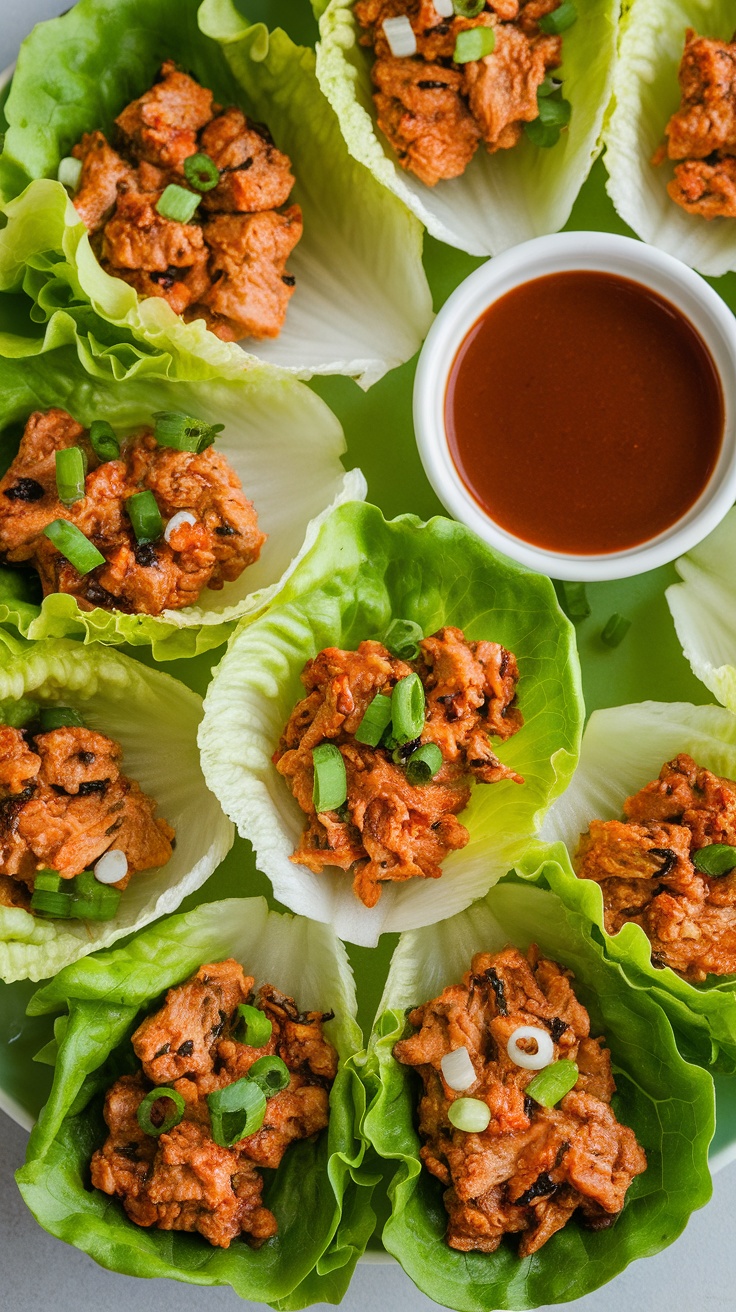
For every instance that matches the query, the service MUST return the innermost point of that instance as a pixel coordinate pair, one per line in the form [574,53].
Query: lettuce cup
[108,822]
[317,1199]
[210,243]
[702,607]
[646,827]
[462,152]
[661,1114]
[666,172]
[258,490]
[405,622]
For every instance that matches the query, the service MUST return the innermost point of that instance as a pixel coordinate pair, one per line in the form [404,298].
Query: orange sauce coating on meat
[584,413]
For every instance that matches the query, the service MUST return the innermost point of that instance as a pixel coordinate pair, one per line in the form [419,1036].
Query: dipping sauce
[584,413]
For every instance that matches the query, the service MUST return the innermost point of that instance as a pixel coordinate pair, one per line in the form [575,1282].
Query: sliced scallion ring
[402,637]
[457,1069]
[69,172]
[60,717]
[71,542]
[614,630]
[560,19]
[408,709]
[70,473]
[258,1027]
[553,1082]
[468,8]
[183,432]
[177,203]
[236,1111]
[718,859]
[375,721]
[424,763]
[469,1114]
[201,171]
[103,440]
[170,1120]
[270,1074]
[553,112]
[145,516]
[52,895]
[474,43]
[93,900]
[531,1061]
[330,780]
[574,601]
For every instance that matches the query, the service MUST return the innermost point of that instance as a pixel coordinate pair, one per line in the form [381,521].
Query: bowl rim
[560,252]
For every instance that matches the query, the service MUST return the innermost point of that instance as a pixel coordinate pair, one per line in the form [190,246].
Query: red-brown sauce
[584,413]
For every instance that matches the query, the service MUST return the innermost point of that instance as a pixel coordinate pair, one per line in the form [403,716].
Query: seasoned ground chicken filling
[436,112]
[139,578]
[534,1166]
[227,265]
[390,829]
[63,803]
[183,1180]
[644,866]
[701,136]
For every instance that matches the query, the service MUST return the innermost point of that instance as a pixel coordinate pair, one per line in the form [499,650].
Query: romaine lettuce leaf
[362,304]
[645,94]
[155,719]
[624,747]
[501,199]
[668,1103]
[280,438]
[320,1193]
[362,573]
[703,608]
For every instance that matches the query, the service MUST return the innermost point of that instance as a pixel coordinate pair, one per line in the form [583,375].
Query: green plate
[378,427]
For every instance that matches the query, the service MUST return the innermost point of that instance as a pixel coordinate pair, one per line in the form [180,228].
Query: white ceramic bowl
[559,253]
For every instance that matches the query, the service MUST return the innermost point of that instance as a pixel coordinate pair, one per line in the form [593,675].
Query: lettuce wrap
[668,1103]
[703,607]
[320,1192]
[624,747]
[280,438]
[362,304]
[155,720]
[363,573]
[646,93]
[501,199]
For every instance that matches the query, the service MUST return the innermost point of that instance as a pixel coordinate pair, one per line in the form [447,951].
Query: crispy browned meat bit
[230,271]
[64,802]
[644,866]
[534,1166]
[702,133]
[435,113]
[183,1180]
[144,580]
[390,829]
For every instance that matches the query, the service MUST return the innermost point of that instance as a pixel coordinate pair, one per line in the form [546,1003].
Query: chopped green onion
[93,900]
[553,1082]
[548,87]
[408,709]
[52,895]
[574,601]
[475,43]
[468,8]
[469,1114]
[145,516]
[201,171]
[177,203]
[270,1074]
[145,1107]
[376,719]
[554,115]
[615,630]
[71,542]
[60,717]
[424,763]
[715,860]
[17,714]
[69,172]
[402,637]
[258,1027]
[70,475]
[184,432]
[103,440]
[560,19]
[330,780]
[236,1111]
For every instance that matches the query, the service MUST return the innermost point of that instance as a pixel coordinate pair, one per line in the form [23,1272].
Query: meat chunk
[139,238]
[421,112]
[250,287]
[533,1167]
[183,1179]
[706,189]
[254,174]
[102,172]
[161,126]
[706,119]
[690,796]
[502,88]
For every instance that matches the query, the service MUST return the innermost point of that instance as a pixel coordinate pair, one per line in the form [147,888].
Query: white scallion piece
[444,8]
[401,39]
[69,172]
[531,1061]
[111,867]
[458,1070]
[469,1114]
[181,517]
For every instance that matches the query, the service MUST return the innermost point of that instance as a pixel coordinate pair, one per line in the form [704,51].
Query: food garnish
[614,630]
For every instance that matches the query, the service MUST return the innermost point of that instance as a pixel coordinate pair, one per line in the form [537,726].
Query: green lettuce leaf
[320,1193]
[362,573]
[280,438]
[703,608]
[668,1103]
[362,304]
[501,199]
[155,719]
[624,747]
[645,93]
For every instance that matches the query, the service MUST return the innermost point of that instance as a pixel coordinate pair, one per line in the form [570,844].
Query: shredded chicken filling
[701,135]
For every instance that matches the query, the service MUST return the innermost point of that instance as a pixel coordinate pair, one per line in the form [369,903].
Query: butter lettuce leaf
[155,720]
[667,1102]
[320,1193]
[280,438]
[703,607]
[501,199]
[362,304]
[362,573]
